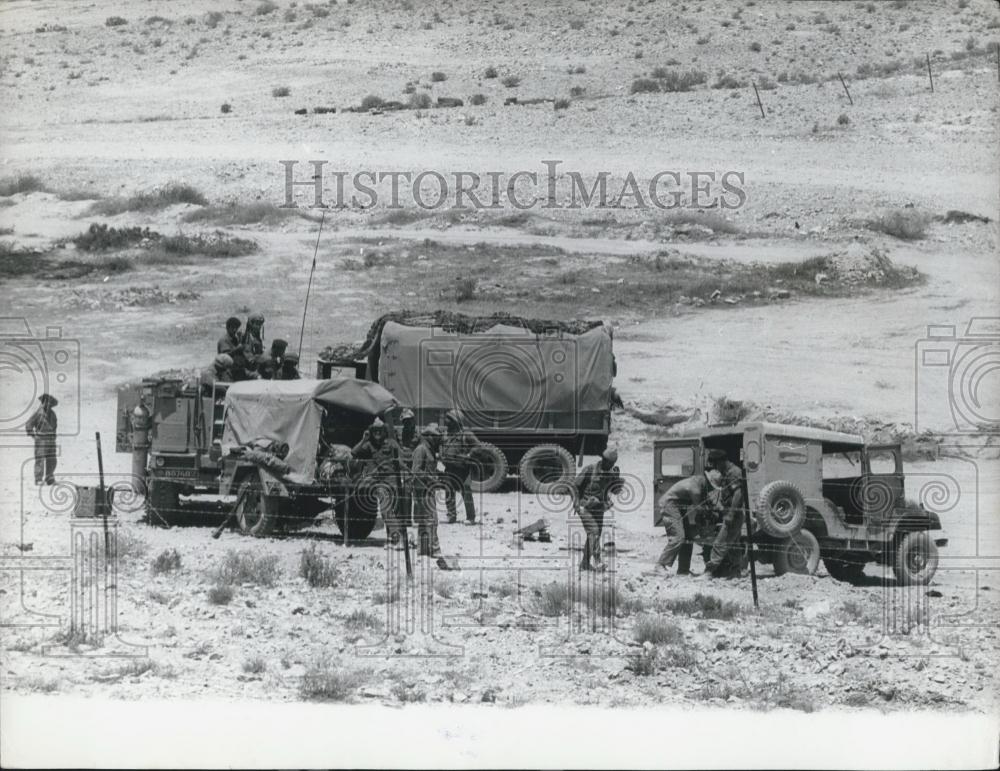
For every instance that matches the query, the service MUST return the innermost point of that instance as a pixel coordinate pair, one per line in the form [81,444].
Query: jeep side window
[677,461]
[882,462]
[840,465]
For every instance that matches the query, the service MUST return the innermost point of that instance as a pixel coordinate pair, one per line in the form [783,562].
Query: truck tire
[798,554]
[163,503]
[489,468]
[916,559]
[255,511]
[356,527]
[545,467]
[781,509]
[848,567]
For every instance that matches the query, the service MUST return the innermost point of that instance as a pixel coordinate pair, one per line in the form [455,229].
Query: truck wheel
[545,467]
[798,554]
[255,511]
[916,559]
[489,469]
[846,566]
[355,524]
[781,509]
[163,503]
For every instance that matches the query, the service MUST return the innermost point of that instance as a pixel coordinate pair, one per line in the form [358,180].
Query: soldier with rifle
[424,478]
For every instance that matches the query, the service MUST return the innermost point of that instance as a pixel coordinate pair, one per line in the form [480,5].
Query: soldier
[408,440]
[221,371]
[423,472]
[593,487]
[231,344]
[456,449]
[42,428]
[731,503]
[269,364]
[289,367]
[382,473]
[675,510]
[252,340]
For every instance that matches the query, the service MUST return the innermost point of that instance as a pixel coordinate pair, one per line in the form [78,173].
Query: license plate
[175,473]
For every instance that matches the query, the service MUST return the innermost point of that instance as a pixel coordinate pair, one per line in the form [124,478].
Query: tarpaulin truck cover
[506,369]
[291,411]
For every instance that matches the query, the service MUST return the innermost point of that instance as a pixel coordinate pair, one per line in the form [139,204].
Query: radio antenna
[312,270]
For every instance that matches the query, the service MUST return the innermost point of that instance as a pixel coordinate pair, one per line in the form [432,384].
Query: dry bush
[220,594]
[490,73]
[372,102]
[128,546]
[561,104]
[906,224]
[169,195]
[216,244]
[477,99]
[417,101]
[115,21]
[167,561]
[265,8]
[100,237]
[360,620]
[316,568]
[511,81]
[280,91]
[438,77]
[553,599]
[465,289]
[658,631]
[247,567]
[240,214]
[322,681]
[24,183]
[644,86]
[255,665]
[703,606]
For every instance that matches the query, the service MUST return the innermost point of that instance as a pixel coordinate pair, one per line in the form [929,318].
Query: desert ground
[808,302]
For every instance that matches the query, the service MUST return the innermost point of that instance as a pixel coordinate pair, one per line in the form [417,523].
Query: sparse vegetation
[843,119]
[561,104]
[247,567]
[100,237]
[233,214]
[511,81]
[904,224]
[658,631]
[645,86]
[255,666]
[438,77]
[115,21]
[280,91]
[25,183]
[419,100]
[169,195]
[373,102]
[217,244]
[220,594]
[477,99]
[265,8]
[490,73]
[360,620]
[167,561]
[323,681]
[316,568]
[465,289]
[703,606]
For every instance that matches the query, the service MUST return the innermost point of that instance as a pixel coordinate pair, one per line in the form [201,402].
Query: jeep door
[674,460]
[883,485]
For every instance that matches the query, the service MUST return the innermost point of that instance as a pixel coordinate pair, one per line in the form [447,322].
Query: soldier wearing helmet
[593,488]
[252,340]
[380,483]
[289,369]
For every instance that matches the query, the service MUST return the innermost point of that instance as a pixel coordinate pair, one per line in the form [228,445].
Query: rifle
[403,534]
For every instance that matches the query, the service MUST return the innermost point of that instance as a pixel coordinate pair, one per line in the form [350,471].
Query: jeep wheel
[545,467]
[489,468]
[798,554]
[781,509]
[846,566]
[254,509]
[916,559]
[354,522]
[163,503]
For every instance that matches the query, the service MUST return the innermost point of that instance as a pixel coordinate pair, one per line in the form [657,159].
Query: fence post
[845,89]
[930,77]
[759,103]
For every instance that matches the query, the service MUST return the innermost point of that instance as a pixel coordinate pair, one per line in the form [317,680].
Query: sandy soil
[101,111]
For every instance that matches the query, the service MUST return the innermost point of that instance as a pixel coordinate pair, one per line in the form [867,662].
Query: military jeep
[814,495]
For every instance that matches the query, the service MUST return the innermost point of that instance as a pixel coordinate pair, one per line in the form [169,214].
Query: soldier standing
[253,337]
[42,428]
[383,473]
[593,487]
[423,472]
[731,504]
[674,510]
[408,440]
[456,449]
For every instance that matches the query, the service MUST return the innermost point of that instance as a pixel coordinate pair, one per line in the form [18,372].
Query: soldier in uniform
[289,367]
[269,364]
[456,450]
[593,488]
[42,428]
[219,372]
[252,340]
[231,344]
[423,473]
[383,474]
[675,510]
[408,439]
[731,503]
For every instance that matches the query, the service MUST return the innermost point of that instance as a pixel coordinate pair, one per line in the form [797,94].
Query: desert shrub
[577,91]
[843,119]
[387,597]
[323,682]
[115,21]
[644,86]
[438,77]
[217,244]
[645,662]
[490,73]
[226,108]
[373,102]
[128,546]
[25,183]
[755,47]
[465,289]
[167,561]
[764,83]
[362,619]
[703,605]
[100,237]
[212,19]
[280,91]
[417,101]
[553,599]
[240,214]
[675,80]
[905,224]
[220,594]
[561,104]
[511,81]
[477,100]
[168,195]
[316,568]
[246,567]
[576,24]
[265,8]
[255,665]
[658,631]
[726,80]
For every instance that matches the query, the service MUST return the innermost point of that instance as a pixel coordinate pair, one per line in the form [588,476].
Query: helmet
[431,430]
[407,415]
[610,455]
[257,317]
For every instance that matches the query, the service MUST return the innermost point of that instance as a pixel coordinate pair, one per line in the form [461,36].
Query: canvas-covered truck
[190,441]
[814,495]
[537,394]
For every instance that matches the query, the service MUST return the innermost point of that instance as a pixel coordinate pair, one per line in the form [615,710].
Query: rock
[459,697]
[489,696]
[939,678]
[816,609]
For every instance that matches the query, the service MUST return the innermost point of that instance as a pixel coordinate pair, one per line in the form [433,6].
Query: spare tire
[781,509]
[489,468]
[546,467]
[256,511]
[798,554]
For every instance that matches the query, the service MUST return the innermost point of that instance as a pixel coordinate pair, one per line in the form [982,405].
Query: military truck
[537,393]
[814,495]
[185,439]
